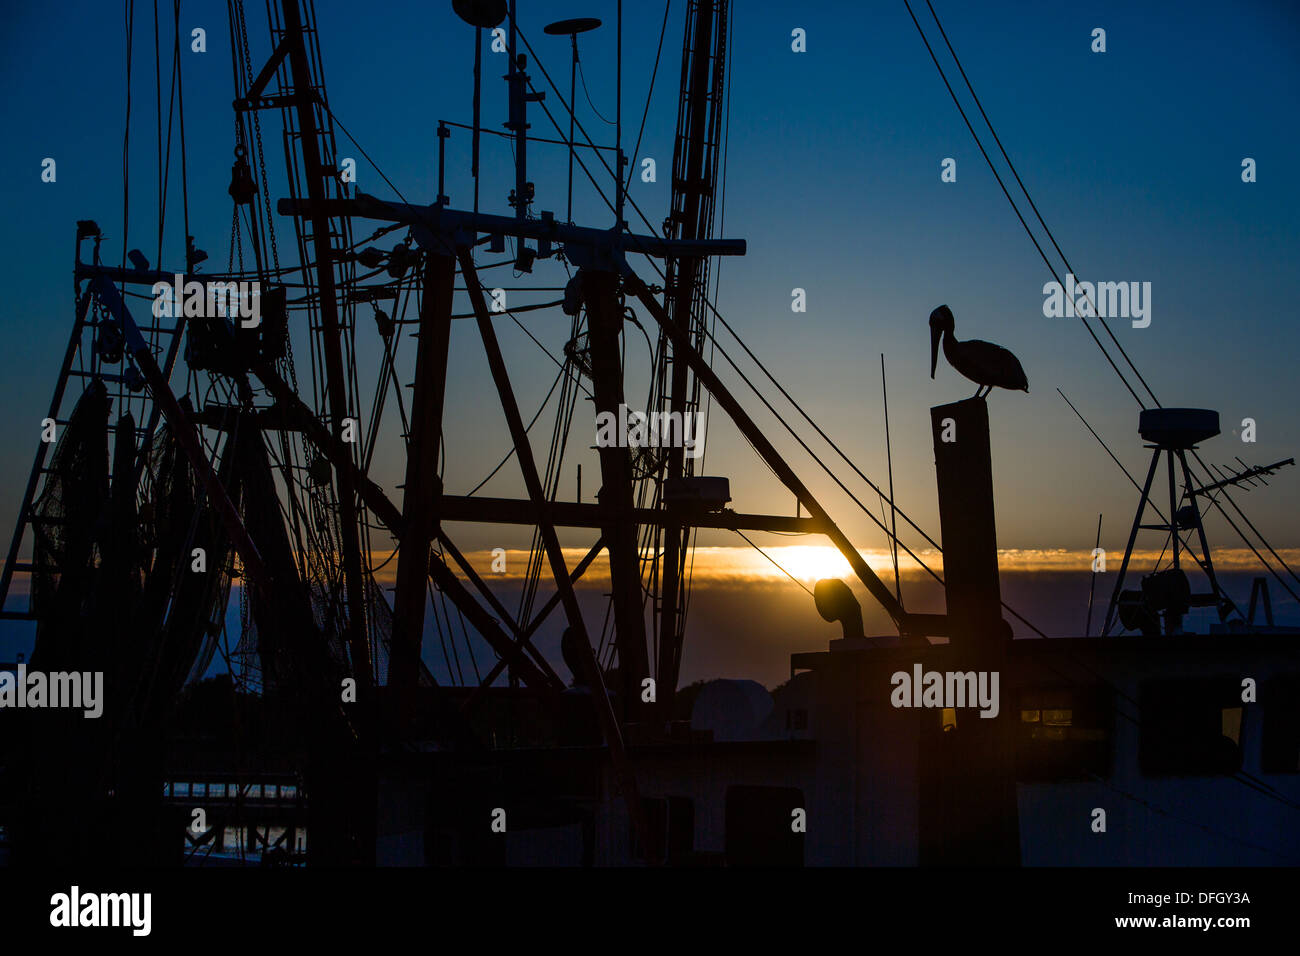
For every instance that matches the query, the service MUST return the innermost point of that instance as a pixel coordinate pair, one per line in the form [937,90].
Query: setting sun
[812,562]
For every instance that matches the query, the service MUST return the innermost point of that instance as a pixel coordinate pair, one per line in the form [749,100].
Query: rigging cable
[587,92]
[659,271]
[363,152]
[157,82]
[128,13]
[717,283]
[646,112]
[1012,166]
[511,453]
[1014,207]
[773,560]
[1055,275]
[180,114]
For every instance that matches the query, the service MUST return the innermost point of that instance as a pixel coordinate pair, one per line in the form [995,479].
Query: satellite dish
[571,27]
[480,13]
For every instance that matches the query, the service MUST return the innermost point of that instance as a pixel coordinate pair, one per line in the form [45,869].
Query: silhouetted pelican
[985,364]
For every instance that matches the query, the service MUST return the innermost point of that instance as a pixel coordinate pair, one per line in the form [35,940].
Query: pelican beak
[936,334]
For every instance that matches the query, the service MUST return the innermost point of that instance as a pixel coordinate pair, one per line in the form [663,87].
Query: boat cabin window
[1280,700]
[1063,733]
[1191,727]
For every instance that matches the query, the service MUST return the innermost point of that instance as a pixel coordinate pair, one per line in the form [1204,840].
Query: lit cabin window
[949,719]
[1064,733]
[1232,724]
[1190,727]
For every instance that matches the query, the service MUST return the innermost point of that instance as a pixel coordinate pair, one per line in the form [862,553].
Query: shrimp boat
[207,526]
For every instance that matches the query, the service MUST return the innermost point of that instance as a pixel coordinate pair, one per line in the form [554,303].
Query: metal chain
[236,243]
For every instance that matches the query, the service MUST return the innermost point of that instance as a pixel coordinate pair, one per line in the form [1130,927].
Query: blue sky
[833,178]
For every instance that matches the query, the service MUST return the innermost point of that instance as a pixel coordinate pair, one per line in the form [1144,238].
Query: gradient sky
[833,178]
